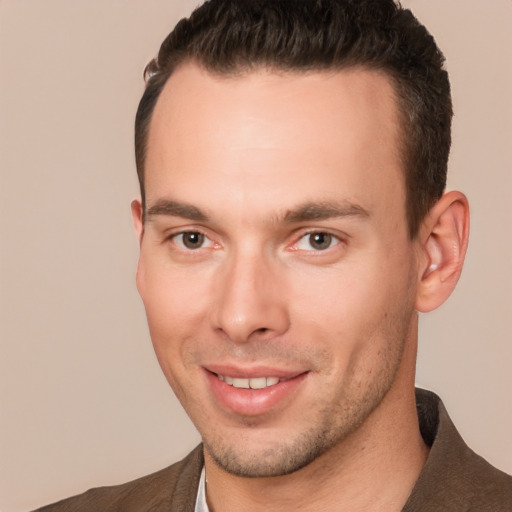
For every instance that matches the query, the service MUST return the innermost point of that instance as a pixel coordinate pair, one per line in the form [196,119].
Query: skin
[244,176]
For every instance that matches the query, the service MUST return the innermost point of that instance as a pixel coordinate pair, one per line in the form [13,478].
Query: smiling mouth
[253,391]
[253,383]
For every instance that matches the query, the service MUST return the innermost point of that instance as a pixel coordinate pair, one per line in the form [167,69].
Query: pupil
[320,241]
[193,240]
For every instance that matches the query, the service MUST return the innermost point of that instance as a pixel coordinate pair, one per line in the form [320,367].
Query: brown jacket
[454,478]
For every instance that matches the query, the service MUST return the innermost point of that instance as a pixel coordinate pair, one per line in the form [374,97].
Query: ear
[138,222]
[443,240]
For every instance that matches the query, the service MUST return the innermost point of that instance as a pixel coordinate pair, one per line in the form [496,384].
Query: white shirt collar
[201,505]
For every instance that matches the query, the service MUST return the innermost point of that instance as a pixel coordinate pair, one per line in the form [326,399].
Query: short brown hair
[234,36]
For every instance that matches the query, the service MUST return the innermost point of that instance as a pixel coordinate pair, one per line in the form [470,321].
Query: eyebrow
[324,210]
[310,211]
[176,209]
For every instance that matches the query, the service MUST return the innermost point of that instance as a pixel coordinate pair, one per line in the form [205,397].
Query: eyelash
[182,246]
[332,239]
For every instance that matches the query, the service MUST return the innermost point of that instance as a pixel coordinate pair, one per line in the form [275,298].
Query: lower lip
[253,402]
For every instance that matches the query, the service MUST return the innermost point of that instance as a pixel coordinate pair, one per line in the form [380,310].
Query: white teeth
[272,380]
[259,383]
[254,383]
[241,383]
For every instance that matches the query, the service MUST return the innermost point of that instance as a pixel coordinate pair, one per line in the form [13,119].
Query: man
[292,159]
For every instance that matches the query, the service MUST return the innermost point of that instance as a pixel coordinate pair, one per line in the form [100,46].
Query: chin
[274,461]
[258,458]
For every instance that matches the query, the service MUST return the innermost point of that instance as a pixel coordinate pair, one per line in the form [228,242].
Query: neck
[373,469]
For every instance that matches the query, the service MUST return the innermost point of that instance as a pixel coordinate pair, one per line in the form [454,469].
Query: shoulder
[454,477]
[172,488]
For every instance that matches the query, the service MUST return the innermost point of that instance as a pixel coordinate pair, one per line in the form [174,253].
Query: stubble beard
[336,419]
[333,425]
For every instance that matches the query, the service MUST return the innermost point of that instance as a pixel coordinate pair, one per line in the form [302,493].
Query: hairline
[242,69]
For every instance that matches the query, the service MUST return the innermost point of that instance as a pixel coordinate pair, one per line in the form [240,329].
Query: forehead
[267,131]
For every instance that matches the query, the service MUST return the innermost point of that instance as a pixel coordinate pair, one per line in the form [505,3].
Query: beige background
[82,399]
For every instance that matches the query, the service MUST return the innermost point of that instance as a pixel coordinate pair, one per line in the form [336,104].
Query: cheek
[175,302]
[337,300]
[351,308]
[172,300]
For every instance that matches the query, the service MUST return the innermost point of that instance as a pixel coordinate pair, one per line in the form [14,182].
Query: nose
[250,300]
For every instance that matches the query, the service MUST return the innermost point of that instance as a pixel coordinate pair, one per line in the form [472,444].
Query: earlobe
[138,222]
[444,239]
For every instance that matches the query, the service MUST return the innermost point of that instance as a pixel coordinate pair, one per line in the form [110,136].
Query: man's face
[275,256]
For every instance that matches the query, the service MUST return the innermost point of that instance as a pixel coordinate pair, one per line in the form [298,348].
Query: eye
[318,241]
[192,240]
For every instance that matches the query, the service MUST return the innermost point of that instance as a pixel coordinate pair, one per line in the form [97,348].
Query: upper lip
[253,372]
